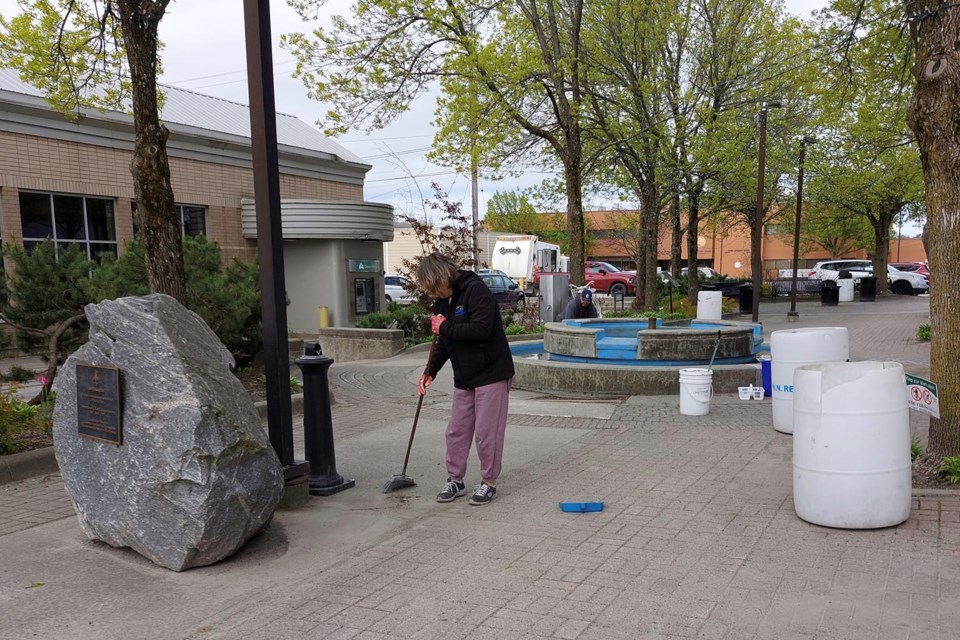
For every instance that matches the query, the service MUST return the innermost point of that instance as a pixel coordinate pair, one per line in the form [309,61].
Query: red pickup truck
[606,278]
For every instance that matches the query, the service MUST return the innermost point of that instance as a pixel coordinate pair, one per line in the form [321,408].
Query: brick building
[70,181]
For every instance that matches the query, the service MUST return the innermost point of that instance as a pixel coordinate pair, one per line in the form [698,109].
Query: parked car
[704,272]
[906,283]
[505,290]
[489,272]
[609,279]
[398,289]
[913,267]
[899,282]
[830,270]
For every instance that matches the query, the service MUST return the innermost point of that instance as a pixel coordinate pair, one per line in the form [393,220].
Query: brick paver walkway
[698,538]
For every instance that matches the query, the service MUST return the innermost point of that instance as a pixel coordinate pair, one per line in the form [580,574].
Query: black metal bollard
[318,424]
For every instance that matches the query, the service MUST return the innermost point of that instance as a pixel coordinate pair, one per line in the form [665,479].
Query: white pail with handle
[696,389]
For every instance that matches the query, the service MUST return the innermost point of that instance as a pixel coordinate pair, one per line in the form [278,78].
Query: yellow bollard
[324,317]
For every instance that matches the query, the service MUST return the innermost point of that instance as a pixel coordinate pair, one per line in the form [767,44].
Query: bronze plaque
[98,403]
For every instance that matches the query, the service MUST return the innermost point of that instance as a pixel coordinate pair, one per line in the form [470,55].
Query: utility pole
[792,315]
[757,257]
[475,203]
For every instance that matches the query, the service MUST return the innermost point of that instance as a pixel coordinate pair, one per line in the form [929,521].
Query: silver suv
[830,270]
[899,282]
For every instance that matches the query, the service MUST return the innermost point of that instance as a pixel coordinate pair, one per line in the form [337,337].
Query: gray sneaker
[451,491]
[483,494]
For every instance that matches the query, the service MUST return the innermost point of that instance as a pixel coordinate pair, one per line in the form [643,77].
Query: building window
[193,220]
[86,222]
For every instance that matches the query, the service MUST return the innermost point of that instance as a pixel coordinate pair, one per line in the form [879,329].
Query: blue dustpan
[581,507]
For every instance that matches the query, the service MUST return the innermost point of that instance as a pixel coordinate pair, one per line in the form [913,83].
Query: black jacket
[575,311]
[472,338]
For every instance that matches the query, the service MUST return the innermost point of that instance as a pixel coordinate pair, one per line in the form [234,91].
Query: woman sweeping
[470,334]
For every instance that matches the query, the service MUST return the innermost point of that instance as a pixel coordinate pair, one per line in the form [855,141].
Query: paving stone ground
[698,537]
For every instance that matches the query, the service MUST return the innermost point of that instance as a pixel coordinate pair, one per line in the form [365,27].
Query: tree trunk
[651,223]
[676,239]
[881,247]
[693,236]
[575,232]
[156,209]
[934,116]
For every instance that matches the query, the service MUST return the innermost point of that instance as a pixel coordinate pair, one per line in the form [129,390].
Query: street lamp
[792,315]
[758,215]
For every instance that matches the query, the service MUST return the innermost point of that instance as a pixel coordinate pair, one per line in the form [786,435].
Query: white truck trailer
[521,256]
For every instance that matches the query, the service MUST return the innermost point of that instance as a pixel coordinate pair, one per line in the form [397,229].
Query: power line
[225,73]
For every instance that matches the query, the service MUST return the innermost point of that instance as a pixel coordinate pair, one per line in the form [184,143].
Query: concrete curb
[39,462]
[522,337]
[20,466]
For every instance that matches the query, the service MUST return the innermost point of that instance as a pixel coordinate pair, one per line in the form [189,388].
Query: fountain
[622,356]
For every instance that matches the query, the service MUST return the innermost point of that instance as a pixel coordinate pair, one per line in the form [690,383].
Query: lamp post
[758,214]
[792,315]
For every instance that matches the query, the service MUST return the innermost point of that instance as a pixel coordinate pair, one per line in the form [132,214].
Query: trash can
[766,370]
[792,348]
[845,283]
[851,445]
[829,294]
[746,298]
[868,289]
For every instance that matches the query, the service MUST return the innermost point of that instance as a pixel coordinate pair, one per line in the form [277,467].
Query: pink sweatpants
[480,412]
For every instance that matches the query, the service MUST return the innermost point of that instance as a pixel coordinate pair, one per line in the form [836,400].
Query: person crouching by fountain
[580,306]
[469,330]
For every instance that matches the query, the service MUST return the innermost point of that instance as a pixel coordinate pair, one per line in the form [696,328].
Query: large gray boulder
[195,476]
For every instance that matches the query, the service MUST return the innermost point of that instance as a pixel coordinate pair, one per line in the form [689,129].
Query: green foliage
[511,212]
[46,288]
[916,450]
[923,333]
[18,374]
[295,385]
[514,330]
[681,307]
[17,417]
[413,320]
[118,277]
[227,298]
[65,48]
[950,468]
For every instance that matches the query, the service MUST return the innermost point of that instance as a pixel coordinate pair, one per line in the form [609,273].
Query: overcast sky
[204,51]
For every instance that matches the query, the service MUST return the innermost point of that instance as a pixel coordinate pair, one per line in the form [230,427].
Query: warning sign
[922,396]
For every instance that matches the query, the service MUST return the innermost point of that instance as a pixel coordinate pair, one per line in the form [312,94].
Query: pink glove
[425,381]
[435,322]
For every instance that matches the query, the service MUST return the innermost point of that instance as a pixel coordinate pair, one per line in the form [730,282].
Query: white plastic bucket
[696,388]
[792,348]
[846,290]
[709,305]
[851,445]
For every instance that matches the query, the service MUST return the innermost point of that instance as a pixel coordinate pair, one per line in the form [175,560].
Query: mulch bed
[926,475]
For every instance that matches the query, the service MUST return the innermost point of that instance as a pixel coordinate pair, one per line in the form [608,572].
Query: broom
[403,481]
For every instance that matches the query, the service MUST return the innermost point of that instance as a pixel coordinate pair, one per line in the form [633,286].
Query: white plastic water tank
[791,348]
[846,290]
[851,445]
[709,305]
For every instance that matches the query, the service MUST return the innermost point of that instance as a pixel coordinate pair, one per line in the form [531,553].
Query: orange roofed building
[726,250]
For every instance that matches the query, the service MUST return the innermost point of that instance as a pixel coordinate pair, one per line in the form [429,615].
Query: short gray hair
[436,270]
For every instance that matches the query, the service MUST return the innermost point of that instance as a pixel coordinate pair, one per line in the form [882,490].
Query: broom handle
[416,416]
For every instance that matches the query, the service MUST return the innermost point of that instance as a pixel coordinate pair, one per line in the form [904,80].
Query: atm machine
[364,286]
